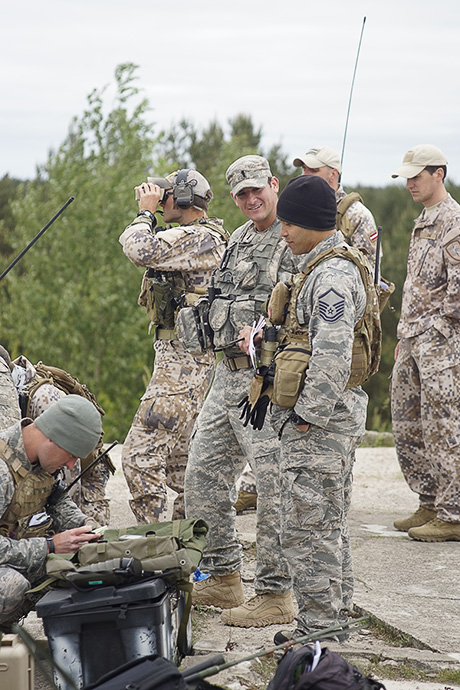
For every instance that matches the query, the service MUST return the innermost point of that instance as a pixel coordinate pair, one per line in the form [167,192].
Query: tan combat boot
[223,591]
[420,517]
[246,501]
[436,530]
[264,609]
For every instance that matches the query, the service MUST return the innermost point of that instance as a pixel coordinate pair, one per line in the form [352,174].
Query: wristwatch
[297,419]
[50,542]
[148,214]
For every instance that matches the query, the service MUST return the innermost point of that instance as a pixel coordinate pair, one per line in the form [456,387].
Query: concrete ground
[409,588]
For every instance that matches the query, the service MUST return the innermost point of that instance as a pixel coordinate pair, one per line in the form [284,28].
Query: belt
[238,362]
[165,334]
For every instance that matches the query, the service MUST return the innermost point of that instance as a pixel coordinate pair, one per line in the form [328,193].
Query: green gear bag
[173,549]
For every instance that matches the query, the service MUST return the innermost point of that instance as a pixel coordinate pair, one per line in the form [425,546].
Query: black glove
[254,405]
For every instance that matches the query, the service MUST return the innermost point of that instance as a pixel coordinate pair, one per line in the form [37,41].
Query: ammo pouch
[278,303]
[291,364]
[384,293]
[227,316]
[193,329]
[161,305]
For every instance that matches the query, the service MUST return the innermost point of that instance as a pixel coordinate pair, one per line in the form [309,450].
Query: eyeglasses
[165,197]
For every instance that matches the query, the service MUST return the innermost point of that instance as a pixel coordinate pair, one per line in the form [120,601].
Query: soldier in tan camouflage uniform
[9,406]
[425,389]
[320,433]
[30,454]
[179,263]
[220,446]
[36,397]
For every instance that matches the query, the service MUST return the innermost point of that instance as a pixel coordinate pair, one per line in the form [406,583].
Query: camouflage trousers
[425,408]
[219,449]
[89,492]
[14,600]
[316,480]
[247,481]
[155,451]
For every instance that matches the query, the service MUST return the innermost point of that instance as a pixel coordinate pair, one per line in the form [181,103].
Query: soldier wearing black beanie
[309,202]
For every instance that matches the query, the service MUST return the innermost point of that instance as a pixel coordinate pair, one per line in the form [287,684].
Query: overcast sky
[287,64]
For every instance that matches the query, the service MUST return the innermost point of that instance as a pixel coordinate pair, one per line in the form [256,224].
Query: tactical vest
[292,357]
[343,224]
[163,293]
[70,386]
[31,492]
[243,282]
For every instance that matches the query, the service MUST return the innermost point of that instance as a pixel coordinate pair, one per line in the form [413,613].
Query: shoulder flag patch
[453,250]
[331,305]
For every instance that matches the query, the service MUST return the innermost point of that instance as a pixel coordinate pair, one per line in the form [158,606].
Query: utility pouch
[193,329]
[220,322]
[161,305]
[28,527]
[291,364]
[278,303]
[384,292]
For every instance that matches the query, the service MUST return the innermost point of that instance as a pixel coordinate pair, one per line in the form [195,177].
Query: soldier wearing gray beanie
[73,423]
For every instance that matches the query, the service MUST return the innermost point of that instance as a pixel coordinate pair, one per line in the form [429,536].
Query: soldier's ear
[275,184]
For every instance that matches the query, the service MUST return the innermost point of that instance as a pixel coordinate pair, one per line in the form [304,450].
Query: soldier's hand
[71,540]
[245,333]
[148,196]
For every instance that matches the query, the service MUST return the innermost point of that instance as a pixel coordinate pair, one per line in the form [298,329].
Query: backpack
[150,673]
[70,385]
[332,672]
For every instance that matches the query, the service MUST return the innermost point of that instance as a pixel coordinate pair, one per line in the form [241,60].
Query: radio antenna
[351,91]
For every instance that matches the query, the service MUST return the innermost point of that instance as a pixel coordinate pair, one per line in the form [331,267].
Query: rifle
[377,257]
[37,237]
[60,489]
[311,637]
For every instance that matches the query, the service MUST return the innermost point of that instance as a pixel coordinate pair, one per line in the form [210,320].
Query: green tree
[71,301]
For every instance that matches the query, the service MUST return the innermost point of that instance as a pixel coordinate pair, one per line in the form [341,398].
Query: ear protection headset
[183,192]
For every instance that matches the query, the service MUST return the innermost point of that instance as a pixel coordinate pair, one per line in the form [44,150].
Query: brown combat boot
[436,530]
[420,517]
[246,501]
[269,608]
[223,591]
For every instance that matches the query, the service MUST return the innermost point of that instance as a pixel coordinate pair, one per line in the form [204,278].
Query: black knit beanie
[308,201]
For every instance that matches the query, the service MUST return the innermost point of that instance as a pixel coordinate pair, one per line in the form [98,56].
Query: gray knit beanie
[73,423]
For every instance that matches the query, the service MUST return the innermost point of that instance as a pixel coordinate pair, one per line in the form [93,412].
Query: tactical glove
[255,404]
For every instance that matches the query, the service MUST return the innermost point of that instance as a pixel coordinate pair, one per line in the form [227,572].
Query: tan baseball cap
[248,171]
[418,158]
[318,157]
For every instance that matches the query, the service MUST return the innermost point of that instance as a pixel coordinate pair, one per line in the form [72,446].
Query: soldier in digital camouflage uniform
[320,433]
[425,389]
[9,406]
[69,429]
[179,261]
[255,260]
[354,220]
[36,397]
